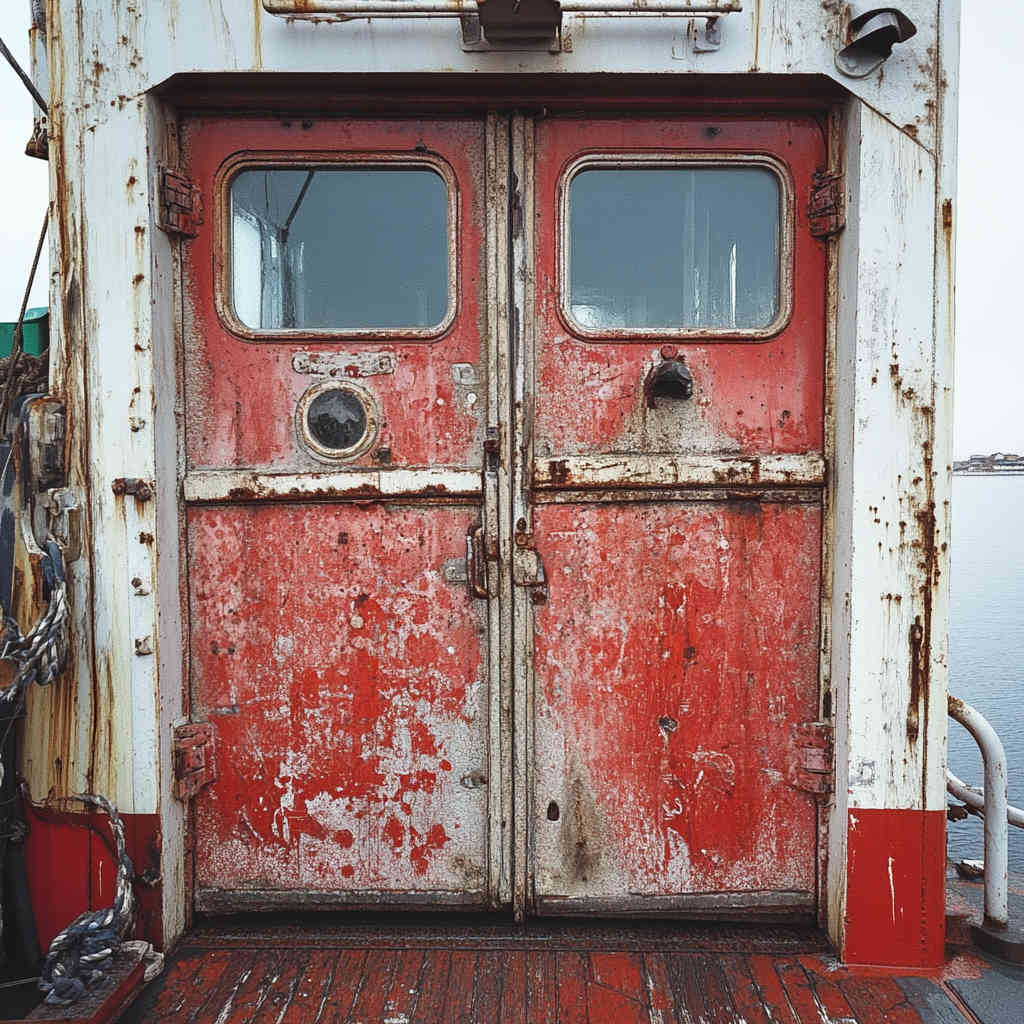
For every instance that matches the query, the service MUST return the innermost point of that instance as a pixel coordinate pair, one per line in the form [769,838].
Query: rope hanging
[40,654]
[81,954]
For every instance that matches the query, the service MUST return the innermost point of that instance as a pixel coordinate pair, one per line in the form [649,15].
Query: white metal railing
[974,797]
[995,806]
[461,8]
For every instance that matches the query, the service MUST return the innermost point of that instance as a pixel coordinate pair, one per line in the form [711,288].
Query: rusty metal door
[338,386]
[667,506]
[503,473]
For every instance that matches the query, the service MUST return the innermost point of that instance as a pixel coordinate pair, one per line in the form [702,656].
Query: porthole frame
[647,160]
[370,409]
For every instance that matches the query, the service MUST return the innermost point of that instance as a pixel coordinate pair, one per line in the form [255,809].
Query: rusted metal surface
[693,627]
[674,658]
[826,210]
[345,681]
[115,277]
[813,766]
[753,398]
[194,763]
[346,667]
[241,397]
[667,470]
[348,484]
[181,203]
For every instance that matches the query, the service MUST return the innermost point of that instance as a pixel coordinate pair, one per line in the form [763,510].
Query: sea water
[986,640]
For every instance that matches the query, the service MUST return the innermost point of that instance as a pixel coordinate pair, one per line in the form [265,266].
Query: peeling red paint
[241,395]
[359,693]
[754,397]
[676,653]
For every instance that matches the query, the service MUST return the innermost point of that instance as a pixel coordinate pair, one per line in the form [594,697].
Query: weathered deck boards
[664,974]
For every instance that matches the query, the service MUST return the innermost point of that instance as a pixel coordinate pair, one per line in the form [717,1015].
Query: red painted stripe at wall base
[895,888]
[71,868]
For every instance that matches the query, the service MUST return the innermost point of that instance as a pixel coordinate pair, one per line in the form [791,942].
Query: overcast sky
[990,363]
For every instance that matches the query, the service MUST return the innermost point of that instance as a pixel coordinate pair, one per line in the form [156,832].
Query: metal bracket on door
[194,765]
[528,571]
[476,563]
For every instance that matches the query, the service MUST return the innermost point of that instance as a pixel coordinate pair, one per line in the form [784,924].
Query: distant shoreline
[988,472]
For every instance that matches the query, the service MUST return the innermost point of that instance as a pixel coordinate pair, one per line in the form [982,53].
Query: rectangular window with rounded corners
[353,248]
[664,246]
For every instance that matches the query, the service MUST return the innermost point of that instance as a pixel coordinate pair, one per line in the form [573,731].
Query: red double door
[503,476]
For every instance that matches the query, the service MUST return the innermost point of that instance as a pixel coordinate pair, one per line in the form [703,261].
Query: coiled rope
[42,653]
[83,951]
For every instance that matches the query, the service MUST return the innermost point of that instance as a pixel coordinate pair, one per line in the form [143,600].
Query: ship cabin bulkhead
[505,460]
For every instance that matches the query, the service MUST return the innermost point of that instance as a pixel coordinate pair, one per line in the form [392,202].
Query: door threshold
[339,930]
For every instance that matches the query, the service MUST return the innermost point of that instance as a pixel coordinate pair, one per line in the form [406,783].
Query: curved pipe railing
[974,797]
[995,809]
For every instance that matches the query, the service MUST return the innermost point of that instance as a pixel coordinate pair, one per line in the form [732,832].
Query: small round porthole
[337,419]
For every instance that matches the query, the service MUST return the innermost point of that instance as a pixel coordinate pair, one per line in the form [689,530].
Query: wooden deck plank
[541,988]
[828,992]
[282,989]
[743,990]
[224,993]
[253,992]
[310,997]
[345,982]
[404,991]
[433,987]
[616,990]
[194,979]
[799,991]
[489,983]
[686,986]
[513,996]
[718,1005]
[770,988]
[623,972]
[661,1003]
[458,1005]
[378,970]
[430,984]
[571,987]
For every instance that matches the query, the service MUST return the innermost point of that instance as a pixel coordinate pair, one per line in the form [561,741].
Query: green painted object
[35,332]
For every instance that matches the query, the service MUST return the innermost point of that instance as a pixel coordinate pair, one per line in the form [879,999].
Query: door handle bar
[476,563]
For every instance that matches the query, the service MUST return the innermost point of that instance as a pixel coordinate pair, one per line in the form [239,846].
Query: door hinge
[811,768]
[826,210]
[194,765]
[181,204]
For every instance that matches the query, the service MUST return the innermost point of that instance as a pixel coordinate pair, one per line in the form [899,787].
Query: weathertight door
[336,402]
[670,512]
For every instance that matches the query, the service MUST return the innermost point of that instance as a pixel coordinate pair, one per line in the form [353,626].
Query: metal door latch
[528,570]
[64,515]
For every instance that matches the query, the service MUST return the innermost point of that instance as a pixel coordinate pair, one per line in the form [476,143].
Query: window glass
[339,248]
[674,248]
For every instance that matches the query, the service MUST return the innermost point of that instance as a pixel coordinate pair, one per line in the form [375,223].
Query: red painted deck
[660,974]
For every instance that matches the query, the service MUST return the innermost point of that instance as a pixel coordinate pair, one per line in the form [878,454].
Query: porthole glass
[651,248]
[337,419]
[341,249]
